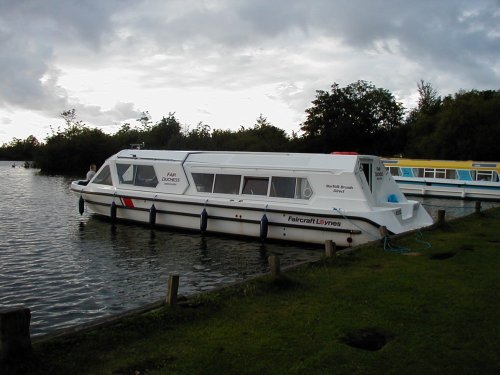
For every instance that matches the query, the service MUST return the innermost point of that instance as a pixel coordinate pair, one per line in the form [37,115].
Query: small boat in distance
[279,196]
[446,178]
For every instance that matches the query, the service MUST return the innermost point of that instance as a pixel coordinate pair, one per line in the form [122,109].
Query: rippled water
[69,269]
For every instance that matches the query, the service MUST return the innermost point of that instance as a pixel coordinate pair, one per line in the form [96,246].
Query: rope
[402,250]
[387,242]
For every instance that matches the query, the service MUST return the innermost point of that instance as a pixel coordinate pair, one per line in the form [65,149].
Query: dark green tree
[72,150]
[19,149]
[263,136]
[199,138]
[421,122]
[359,117]
[463,126]
[127,136]
[163,135]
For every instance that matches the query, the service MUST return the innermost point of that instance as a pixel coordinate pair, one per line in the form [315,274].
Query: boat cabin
[451,170]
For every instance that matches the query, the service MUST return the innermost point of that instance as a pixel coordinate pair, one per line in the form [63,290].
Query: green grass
[439,312]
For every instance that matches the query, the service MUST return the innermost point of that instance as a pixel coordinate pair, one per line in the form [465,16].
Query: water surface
[70,269]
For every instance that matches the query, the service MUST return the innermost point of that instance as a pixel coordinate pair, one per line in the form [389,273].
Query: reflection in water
[69,269]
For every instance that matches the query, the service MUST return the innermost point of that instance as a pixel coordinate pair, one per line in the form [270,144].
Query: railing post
[330,248]
[173,287]
[441,217]
[274,265]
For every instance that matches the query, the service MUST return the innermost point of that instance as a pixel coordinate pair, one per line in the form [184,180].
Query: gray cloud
[294,45]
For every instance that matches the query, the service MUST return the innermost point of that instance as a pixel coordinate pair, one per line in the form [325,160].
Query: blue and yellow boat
[446,178]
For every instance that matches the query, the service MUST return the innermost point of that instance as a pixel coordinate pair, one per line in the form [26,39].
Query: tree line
[359,117]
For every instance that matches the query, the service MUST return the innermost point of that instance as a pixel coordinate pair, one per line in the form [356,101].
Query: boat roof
[450,164]
[238,159]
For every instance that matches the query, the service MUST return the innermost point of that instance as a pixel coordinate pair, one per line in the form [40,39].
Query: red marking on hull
[127,202]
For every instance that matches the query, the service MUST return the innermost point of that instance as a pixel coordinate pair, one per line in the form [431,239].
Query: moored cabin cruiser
[447,178]
[279,196]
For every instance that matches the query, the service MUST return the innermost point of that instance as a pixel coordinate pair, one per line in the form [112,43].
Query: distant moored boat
[446,178]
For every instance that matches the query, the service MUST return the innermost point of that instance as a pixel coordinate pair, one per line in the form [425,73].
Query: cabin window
[204,182]
[434,172]
[125,173]
[451,174]
[429,172]
[440,173]
[464,175]
[407,172]
[283,187]
[290,187]
[303,189]
[138,175]
[255,185]
[418,172]
[227,184]
[394,171]
[484,175]
[145,176]
[103,177]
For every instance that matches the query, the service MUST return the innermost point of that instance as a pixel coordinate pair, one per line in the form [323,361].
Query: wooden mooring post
[15,341]
[441,217]
[330,248]
[172,288]
[477,208]
[274,265]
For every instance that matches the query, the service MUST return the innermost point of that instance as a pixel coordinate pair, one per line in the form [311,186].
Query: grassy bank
[373,311]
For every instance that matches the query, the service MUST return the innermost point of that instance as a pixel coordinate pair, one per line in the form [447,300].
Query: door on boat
[367,166]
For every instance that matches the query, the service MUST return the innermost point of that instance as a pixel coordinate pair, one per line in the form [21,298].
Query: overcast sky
[225,62]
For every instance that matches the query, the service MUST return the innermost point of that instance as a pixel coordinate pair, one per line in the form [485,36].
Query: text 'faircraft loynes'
[280,196]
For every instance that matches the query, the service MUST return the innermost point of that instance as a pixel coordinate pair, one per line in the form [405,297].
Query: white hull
[336,204]
[443,188]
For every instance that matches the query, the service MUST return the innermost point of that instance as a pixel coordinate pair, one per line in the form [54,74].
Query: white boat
[446,178]
[278,196]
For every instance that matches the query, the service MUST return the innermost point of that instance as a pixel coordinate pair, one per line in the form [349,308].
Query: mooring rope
[386,239]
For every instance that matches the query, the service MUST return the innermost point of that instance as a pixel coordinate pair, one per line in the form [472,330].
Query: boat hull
[236,219]
[449,189]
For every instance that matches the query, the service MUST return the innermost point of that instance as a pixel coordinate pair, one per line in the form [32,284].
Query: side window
[290,187]
[303,190]
[440,173]
[484,175]
[394,171]
[227,184]
[255,185]
[429,172]
[145,176]
[125,173]
[138,175]
[451,173]
[418,172]
[203,182]
[282,187]
[104,177]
